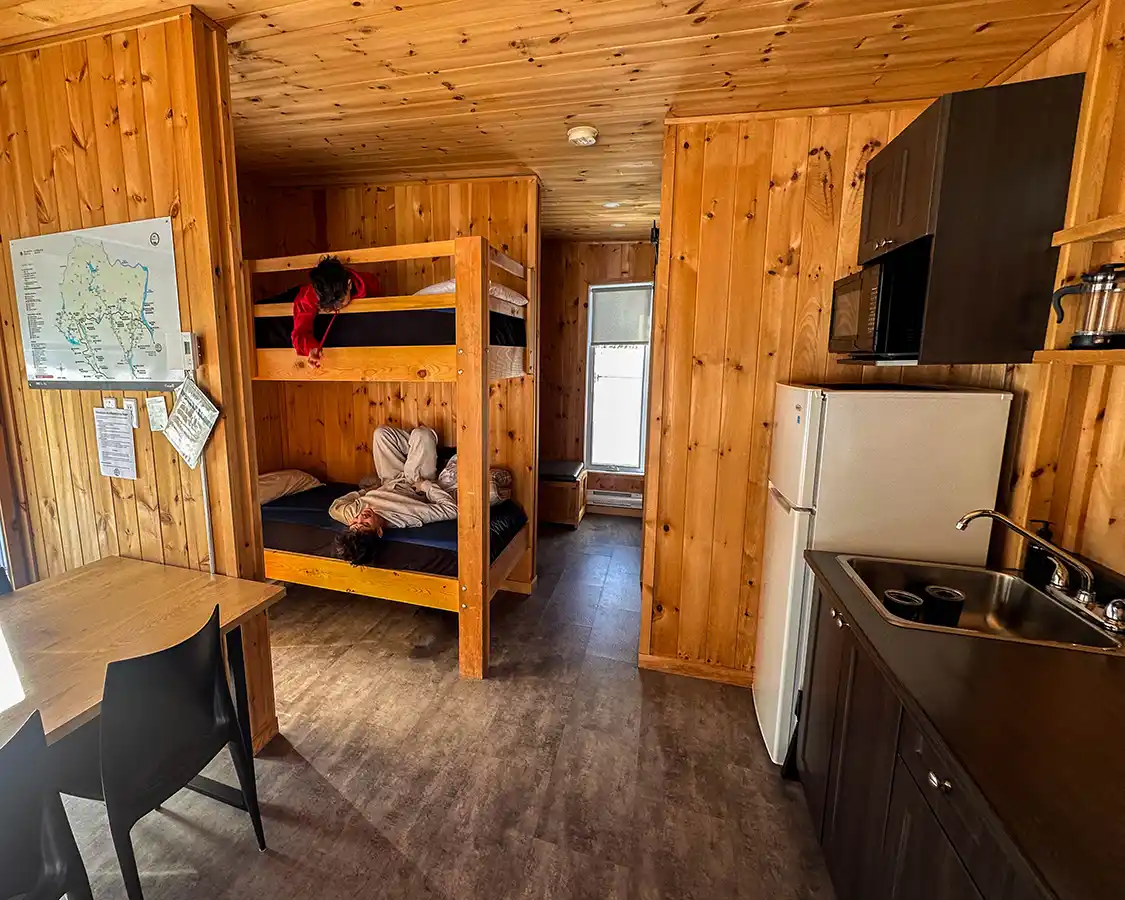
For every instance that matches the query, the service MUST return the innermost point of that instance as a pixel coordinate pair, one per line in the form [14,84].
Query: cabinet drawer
[999,873]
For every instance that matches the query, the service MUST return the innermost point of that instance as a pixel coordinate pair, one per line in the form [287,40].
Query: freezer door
[782,605]
[796,433]
[898,469]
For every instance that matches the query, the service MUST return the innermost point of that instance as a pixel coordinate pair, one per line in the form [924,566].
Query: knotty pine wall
[569,268]
[105,127]
[759,216]
[326,428]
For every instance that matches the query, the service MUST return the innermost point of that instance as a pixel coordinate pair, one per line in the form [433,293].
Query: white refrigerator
[859,470]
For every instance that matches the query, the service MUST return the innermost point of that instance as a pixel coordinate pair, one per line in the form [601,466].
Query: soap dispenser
[1038,565]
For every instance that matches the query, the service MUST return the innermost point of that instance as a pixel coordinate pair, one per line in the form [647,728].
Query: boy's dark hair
[359,546]
[331,281]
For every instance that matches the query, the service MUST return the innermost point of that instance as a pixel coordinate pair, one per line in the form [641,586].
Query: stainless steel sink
[996,604]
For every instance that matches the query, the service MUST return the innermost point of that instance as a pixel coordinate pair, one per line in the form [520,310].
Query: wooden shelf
[1082,357]
[1111,228]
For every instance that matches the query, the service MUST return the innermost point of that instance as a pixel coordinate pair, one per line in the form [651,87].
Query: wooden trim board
[415,588]
[500,569]
[1107,229]
[505,262]
[392,253]
[367,304]
[506,362]
[615,481]
[624,511]
[423,363]
[738,677]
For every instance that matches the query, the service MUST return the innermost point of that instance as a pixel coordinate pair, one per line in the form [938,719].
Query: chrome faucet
[1084,598]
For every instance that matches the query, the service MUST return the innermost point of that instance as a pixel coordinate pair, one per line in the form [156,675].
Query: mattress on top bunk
[392,328]
[300,523]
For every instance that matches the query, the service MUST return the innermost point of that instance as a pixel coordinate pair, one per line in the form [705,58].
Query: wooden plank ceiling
[344,90]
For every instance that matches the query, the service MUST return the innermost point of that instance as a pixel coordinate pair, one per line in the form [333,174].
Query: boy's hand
[314,357]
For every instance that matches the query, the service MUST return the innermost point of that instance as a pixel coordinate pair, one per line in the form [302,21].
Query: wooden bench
[562,492]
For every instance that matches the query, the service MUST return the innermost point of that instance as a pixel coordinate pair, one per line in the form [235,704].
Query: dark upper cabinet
[979,182]
[899,187]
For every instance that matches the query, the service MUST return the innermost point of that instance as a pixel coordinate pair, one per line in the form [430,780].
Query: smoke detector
[583,135]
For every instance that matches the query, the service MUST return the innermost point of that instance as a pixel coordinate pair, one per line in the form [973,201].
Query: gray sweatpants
[408,494]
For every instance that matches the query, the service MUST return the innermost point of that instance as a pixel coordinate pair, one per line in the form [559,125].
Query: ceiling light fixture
[583,135]
[618,224]
[611,204]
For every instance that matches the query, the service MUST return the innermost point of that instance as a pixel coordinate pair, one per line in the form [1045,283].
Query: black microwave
[877,312]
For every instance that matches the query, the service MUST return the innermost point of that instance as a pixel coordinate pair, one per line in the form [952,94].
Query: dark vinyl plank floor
[567,774]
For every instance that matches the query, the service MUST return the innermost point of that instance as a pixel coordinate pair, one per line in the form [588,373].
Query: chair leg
[244,767]
[78,885]
[123,844]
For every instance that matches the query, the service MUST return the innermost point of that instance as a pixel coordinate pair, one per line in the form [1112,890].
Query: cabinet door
[818,705]
[919,862]
[880,203]
[916,149]
[862,769]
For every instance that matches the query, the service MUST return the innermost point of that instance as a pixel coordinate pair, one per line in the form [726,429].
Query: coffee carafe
[1101,308]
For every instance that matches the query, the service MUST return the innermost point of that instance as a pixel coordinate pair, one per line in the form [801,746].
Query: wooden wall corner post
[651,496]
[472,403]
[220,314]
[523,576]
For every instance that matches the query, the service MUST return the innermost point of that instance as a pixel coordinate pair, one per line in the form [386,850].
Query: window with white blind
[617,377]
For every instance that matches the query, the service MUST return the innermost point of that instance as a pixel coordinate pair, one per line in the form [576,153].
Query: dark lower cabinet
[919,860]
[818,706]
[859,784]
[896,818]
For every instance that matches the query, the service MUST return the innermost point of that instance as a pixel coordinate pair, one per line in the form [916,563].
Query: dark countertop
[1039,729]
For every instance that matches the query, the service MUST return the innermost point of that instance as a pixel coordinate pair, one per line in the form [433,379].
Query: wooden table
[58,636]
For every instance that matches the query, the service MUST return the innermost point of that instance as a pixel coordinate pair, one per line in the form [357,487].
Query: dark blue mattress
[300,523]
[387,328]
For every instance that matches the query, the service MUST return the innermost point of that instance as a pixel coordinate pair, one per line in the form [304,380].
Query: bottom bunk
[416,565]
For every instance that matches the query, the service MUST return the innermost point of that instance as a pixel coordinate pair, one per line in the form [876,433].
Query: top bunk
[416,337]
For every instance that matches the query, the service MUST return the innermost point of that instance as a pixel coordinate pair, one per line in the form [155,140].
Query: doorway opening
[617,373]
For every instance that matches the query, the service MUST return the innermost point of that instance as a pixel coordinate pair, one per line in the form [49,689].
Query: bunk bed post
[472,405]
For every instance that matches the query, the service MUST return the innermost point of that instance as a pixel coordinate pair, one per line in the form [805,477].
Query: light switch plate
[131,405]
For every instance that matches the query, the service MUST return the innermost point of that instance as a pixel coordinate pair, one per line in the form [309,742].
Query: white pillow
[442,287]
[503,292]
[499,291]
[282,483]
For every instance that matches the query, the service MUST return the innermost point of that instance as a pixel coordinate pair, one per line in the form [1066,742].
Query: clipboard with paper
[191,422]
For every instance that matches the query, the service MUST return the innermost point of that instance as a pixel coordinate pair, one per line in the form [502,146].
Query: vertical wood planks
[708,358]
[569,269]
[105,129]
[743,300]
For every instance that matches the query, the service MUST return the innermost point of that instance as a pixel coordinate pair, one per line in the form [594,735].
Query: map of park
[105,301]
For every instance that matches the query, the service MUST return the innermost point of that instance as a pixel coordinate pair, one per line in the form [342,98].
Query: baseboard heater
[618,499]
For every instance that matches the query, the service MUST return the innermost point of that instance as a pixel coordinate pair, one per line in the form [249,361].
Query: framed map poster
[100,306]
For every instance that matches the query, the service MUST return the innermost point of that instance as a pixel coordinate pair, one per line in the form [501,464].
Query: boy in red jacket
[333,286]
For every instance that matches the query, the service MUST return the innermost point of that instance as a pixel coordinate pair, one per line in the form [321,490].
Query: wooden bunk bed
[469,363]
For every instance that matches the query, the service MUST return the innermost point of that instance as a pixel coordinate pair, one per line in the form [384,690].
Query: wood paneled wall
[326,428]
[759,215]
[569,268]
[1071,464]
[105,127]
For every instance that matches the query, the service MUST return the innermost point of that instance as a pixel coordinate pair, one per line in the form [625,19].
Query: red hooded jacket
[307,305]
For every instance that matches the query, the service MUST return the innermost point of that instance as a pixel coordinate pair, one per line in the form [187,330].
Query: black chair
[164,717]
[39,859]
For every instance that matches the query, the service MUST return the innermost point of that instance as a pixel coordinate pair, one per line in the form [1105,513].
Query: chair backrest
[36,844]
[163,717]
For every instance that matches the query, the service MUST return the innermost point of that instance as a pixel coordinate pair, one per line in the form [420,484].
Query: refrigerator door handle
[785,504]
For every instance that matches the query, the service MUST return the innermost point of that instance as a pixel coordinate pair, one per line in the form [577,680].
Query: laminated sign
[191,422]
